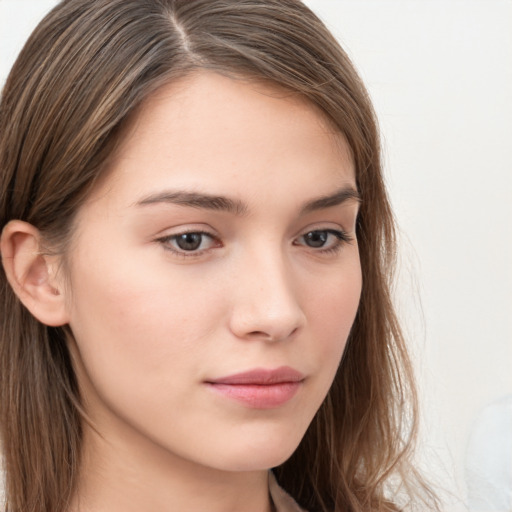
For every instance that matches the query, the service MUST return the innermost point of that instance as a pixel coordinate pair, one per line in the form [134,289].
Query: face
[214,275]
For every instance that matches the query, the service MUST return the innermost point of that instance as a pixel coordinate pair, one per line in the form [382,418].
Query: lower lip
[264,396]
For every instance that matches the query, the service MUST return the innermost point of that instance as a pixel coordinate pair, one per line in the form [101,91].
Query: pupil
[189,241]
[316,238]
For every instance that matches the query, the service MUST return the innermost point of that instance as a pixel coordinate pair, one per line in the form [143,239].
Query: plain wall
[440,75]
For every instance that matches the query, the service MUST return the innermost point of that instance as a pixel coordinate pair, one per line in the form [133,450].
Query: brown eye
[316,238]
[189,241]
[325,240]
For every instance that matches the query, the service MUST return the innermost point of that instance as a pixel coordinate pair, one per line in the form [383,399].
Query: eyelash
[342,238]
[167,240]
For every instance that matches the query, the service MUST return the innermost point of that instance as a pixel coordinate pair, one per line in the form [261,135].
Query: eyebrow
[237,207]
[341,196]
[197,200]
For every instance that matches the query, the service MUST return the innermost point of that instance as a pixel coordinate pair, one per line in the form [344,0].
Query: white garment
[282,501]
[489,459]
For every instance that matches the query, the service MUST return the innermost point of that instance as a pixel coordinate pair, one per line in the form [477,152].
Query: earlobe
[32,274]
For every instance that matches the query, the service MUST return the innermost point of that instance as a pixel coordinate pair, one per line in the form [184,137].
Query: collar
[281,500]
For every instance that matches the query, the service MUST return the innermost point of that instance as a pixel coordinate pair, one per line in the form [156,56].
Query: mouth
[259,388]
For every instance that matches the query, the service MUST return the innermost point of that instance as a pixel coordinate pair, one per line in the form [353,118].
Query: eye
[316,238]
[324,239]
[189,243]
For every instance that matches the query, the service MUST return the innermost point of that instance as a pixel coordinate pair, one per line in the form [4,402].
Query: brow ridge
[196,200]
[340,196]
[222,203]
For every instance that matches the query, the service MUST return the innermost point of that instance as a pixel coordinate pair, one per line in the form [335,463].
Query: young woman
[197,247]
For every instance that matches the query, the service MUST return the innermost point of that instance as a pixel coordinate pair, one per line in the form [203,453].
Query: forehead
[233,106]
[210,130]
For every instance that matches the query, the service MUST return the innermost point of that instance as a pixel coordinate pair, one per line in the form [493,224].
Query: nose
[266,304]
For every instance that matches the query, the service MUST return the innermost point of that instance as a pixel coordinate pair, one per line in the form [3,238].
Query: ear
[32,274]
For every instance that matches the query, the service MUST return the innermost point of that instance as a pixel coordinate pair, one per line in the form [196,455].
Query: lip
[259,388]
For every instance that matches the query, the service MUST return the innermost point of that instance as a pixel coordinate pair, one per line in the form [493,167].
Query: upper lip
[261,376]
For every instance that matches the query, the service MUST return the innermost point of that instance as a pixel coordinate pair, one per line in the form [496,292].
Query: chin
[259,462]
[257,456]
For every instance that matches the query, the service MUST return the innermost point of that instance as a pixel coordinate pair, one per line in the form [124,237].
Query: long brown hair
[85,69]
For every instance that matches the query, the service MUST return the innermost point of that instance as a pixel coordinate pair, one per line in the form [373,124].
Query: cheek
[331,313]
[131,325]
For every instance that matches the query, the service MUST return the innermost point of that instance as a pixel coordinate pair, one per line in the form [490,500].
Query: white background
[440,75]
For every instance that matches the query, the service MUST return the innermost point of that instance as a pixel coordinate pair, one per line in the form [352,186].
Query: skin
[153,322]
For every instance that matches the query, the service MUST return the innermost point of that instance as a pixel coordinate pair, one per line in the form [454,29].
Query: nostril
[260,334]
[271,335]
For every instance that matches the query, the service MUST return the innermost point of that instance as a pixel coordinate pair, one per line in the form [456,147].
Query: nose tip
[267,311]
[272,326]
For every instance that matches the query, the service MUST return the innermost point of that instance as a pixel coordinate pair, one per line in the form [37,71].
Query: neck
[130,475]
